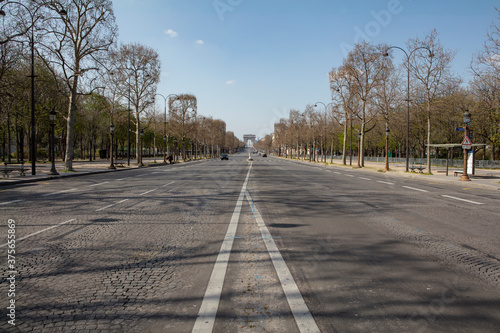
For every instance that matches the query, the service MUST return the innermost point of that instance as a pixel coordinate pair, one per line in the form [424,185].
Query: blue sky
[250,61]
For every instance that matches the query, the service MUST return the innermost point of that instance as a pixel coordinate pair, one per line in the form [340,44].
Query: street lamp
[52,117]
[386,54]
[141,133]
[112,132]
[62,12]
[387,130]
[326,111]
[359,149]
[467,121]
[165,135]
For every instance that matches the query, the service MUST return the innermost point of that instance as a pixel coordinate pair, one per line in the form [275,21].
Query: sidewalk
[81,168]
[485,178]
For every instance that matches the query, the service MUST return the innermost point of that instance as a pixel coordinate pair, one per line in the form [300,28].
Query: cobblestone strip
[121,269]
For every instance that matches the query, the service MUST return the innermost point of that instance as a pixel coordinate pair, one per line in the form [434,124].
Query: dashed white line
[415,189]
[99,184]
[10,202]
[148,192]
[60,192]
[168,184]
[38,232]
[364,178]
[349,175]
[380,181]
[460,199]
[108,206]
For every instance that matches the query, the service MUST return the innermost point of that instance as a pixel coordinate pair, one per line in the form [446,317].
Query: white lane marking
[98,184]
[338,173]
[38,232]
[108,206]
[168,184]
[469,201]
[147,192]
[60,192]
[303,318]
[415,189]
[364,178]
[379,181]
[9,202]
[349,175]
[208,310]
[123,178]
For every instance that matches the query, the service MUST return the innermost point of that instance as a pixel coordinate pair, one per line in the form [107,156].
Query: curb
[77,174]
[399,174]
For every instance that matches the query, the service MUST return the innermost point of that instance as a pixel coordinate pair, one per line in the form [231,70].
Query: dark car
[264,155]
[224,157]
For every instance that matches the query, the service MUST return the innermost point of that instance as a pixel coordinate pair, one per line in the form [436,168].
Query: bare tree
[486,86]
[78,42]
[183,111]
[387,99]
[365,65]
[138,73]
[431,72]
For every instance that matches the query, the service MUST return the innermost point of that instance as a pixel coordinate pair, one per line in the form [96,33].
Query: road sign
[466,144]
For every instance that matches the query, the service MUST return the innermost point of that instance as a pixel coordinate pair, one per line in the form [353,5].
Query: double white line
[208,310]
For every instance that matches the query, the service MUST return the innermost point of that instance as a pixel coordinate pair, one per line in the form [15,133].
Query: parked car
[224,157]
[264,155]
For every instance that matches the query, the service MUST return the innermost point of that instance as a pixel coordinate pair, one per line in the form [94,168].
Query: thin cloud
[231,82]
[171,33]
[200,42]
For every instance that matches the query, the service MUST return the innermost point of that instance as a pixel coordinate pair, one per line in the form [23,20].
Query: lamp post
[141,134]
[32,75]
[359,149]
[467,121]
[165,135]
[387,130]
[111,132]
[326,111]
[386,54]
[52,116]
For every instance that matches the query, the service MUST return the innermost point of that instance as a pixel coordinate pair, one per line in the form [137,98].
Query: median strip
[208,310]
[303,317]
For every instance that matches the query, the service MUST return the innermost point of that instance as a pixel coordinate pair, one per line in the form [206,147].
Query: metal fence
[455,163]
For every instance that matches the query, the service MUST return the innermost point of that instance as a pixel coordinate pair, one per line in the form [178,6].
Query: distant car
[224,157]
[264,155]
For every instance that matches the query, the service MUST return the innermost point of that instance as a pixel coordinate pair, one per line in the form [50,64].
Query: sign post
[466,144]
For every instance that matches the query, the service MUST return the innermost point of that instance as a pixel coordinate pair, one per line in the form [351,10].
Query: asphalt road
[234,246]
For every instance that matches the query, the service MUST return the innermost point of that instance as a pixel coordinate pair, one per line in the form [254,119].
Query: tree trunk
[429,135]
[70,136]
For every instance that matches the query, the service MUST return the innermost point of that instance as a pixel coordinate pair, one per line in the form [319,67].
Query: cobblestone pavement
[136,266]
[134,251]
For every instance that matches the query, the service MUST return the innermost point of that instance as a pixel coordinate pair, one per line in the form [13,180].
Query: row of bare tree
[407,109]
[70,49]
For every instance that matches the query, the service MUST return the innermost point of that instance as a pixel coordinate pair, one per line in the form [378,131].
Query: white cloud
[171,33]
[200,42]
[231,82]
